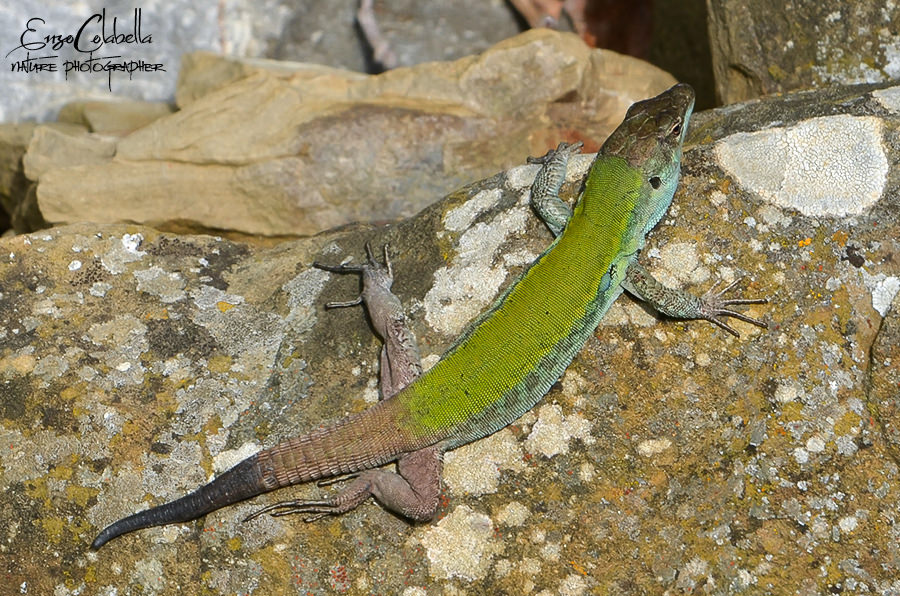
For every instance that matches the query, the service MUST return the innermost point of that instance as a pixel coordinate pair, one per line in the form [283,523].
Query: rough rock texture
[765,47]
[276,149]
[671,458]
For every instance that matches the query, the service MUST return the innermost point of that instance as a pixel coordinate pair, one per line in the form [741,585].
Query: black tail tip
[102,538]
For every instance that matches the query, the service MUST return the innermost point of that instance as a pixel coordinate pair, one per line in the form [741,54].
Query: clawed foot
[713,306]
[319,509]
[568,148]
[372,271]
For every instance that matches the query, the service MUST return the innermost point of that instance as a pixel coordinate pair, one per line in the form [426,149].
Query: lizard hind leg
[413,492]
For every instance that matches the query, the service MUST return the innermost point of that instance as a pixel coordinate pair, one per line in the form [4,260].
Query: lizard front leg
[414,491]
[679,304]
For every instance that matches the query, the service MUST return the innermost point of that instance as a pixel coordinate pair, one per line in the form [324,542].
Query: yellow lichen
[220,364]
[80,495]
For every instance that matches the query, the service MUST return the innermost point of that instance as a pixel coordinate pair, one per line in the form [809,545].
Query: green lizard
[506,360]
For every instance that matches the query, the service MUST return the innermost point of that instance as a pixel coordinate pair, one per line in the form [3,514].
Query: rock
[762,48]
[64,146]
[14,139]
[284,150]
[671,456]
[113,117]
[303,30]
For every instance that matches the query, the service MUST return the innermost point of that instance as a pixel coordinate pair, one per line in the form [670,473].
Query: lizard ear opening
[655,182]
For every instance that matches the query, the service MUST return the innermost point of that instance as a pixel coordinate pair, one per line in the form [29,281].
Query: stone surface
[671,457]
[305,30]
[113,117]
[14,140]
[272,149]
[765,47]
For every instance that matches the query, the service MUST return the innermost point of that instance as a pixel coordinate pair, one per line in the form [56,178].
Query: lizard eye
[676,129]
[655,182]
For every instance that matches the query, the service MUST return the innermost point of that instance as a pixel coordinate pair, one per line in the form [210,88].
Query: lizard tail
[240,482]
[365,440]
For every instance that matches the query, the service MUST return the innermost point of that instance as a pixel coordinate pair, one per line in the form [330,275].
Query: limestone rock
[767,47]
[113,117]
[671,457]
[273,149]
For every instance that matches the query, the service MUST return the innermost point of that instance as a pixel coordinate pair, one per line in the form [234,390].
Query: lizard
[506,360]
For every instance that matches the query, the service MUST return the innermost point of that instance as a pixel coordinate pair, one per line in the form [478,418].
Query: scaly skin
[508,358]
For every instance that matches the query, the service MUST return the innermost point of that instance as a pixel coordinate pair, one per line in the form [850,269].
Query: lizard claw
[372,272]
[570,148]
[713,306]
[318,509]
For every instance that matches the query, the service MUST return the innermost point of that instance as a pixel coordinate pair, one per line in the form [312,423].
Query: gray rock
[272,149]
[766,47]
[137,364]
[304,30]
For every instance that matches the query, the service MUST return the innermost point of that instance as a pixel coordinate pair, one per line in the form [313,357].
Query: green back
[511,355]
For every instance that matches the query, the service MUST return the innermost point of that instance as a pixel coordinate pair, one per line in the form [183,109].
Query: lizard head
[650,140]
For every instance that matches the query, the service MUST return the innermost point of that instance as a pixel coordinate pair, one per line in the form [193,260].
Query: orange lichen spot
[805,242]
[578,568]
[224,306]
[840,238]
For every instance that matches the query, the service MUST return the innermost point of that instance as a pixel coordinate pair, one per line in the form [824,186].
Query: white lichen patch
[553,431]
[651,447]
[303,292]
[27,457]
[50,367]
[889,98]
[167,286]
[679,264]
[475,469]
[462,545]
[472,280]
[832,165]
[460,218]
[122,252]
[167,477]
[883,289]
[787,391]
[150,574]
[252,337]
[848,523]
[572,585]
[513,514]
[209,399]
[100,288]
[231,457]
[522,177]
[123,340]
[211,298]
